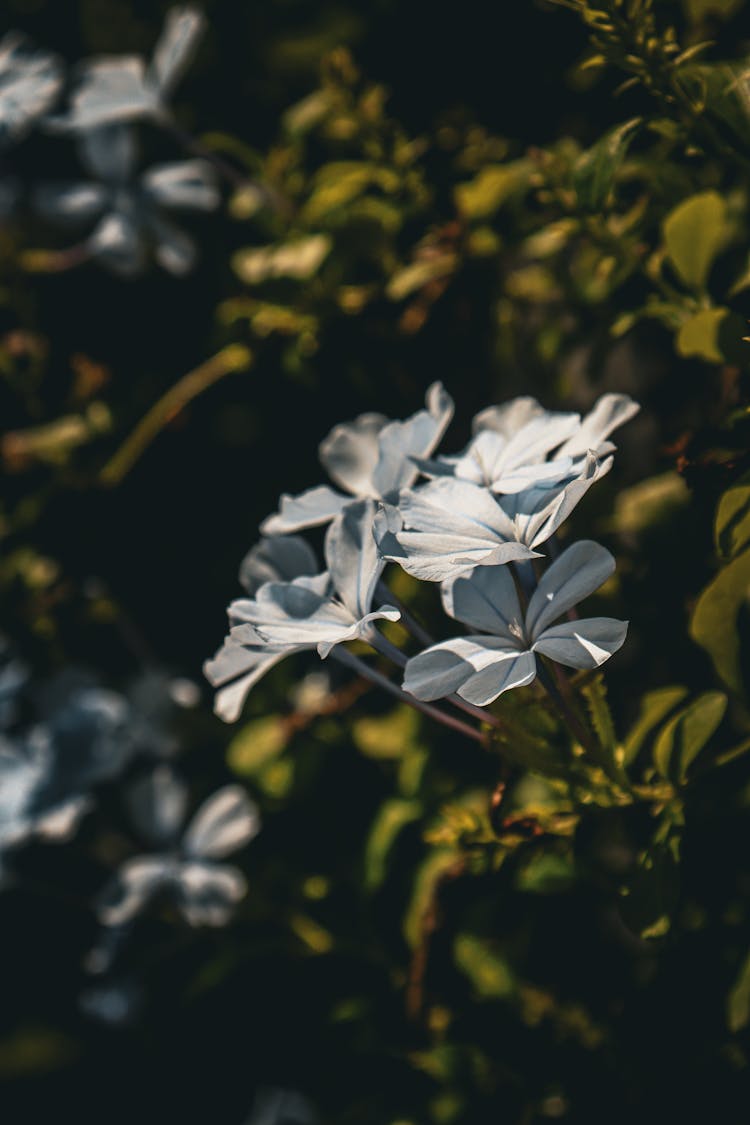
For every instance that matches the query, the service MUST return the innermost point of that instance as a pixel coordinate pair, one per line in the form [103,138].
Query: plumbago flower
[293,609]
[503,653]
[185,865]
[370,457]
[30,81]
[501,499]
[47,773]
[114,89]
[128,210]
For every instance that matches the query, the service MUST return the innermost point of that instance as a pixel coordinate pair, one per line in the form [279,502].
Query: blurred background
[119,556]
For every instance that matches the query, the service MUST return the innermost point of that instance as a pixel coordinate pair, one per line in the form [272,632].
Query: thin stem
[362,669]
[382,645]
[235,357]
[410,622]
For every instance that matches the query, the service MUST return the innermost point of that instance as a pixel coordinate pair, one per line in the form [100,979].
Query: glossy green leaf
[595,172]
[694,234]
[686,733]
[714,623]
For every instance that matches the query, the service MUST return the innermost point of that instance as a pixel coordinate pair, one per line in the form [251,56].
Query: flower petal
[350,453]
[157,806]
[223,823]
[184,183]
[486,600]
[508,418]
[609,413]
[109,152]
[582,644]
[579,570]
[309,509]
[477,668]
[135,884]
[207,893]
[183,29]
[278,558]
[352,556]
[417,436]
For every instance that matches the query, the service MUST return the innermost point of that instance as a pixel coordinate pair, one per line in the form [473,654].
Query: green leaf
[655,706]
[684,736]
[490,188]
[546,873]
[431,873]
[650,897]
[298,259]
[390,736]
[738,1001]
[393,815]
[594,172]
[595,694]
[649,503]
[488,971]
[694,233]
[256,744]
[714,624]
[732,527]
[699,335]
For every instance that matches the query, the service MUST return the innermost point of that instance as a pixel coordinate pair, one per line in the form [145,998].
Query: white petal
[486,600]
[109,152]
[447,667]
[508,418]
[579,570]
[276,559]
[418,436]
[538,437]
[110,89]
[235,670]
[350,453]
[70,203]
[223,823]
[609,413]
[352,556]
[583,644]
[185,183]
[309,509]
[208,892]
[183,29]
[137,881]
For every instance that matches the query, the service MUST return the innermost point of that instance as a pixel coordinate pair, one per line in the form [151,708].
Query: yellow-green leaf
[714,621]
[699,335]
[682,738]
[655,706]
[393,815]
[487,970]
[490,188]
[738,1001]
[732,528]
[595,170]
[694,234]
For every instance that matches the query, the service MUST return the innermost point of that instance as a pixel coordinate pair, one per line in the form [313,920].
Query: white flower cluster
[475,523]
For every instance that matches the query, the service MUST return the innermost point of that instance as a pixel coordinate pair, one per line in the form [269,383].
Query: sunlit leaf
[387,736]
[439,865]
[546,873]
[491,188]
[649,503]
[256,744]
[699,335]
[695,232]
[738,1000]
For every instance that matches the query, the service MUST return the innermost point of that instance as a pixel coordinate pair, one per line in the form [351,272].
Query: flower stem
[410,622]
[382,645]
[362,669]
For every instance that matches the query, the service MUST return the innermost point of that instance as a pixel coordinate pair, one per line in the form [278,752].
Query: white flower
[502,655]
[114,89]
[511,443]
[446,527]
[370,457]
[30,80]
[127,209]
[310,612]
[204,890]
